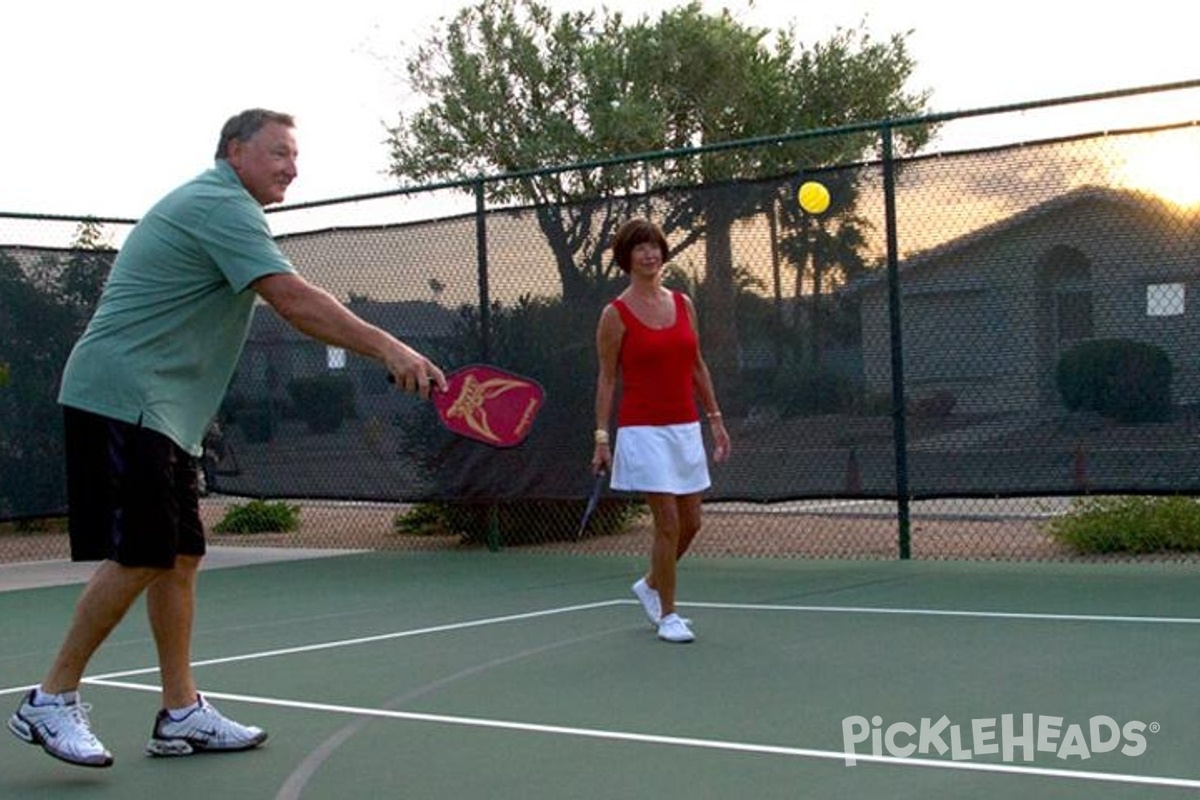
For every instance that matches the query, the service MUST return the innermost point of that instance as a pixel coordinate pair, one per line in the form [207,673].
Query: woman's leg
[664,548]
[688,509]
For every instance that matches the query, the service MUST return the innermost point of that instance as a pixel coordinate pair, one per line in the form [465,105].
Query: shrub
[260,516]
[940,404]
[423,519]
[1130,524]
[322,401]
[800,391]
[34,525]
[548,340]
[518,522]
[1120,379]
[257,421]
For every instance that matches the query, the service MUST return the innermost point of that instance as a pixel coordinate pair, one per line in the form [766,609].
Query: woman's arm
[609,331]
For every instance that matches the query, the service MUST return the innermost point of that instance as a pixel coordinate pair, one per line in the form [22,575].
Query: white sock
[41,698]
[177,714]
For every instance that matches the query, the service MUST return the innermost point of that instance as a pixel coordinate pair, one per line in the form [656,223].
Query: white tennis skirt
[660,458]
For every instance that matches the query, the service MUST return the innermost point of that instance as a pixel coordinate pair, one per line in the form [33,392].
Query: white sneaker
[650,601]
[62,729]
[203,729]
[674,629]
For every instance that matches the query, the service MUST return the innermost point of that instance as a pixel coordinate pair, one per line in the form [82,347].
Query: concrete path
[34,574]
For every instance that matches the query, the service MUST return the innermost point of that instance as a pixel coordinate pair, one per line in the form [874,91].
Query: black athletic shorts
[132,493]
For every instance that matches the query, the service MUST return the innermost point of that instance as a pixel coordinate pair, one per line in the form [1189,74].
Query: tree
[512,88]
[507,90]
[35,333]
[721,82]
[826,250]
[83,276]
[43,310]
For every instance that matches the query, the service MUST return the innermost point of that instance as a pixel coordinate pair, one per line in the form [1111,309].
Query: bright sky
[110,104]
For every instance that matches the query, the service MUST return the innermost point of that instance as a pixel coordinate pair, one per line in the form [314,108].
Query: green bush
[34,525]
[423,519]
[322,401]
[938,405]
[518,522]
[562,361]
[257,421]
[800,391]
[260,516]
[1120,379]
[1130,524]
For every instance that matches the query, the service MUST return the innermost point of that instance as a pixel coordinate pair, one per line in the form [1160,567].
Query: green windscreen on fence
[1043,311]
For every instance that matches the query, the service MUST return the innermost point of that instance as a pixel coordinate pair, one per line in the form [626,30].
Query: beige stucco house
[985,317]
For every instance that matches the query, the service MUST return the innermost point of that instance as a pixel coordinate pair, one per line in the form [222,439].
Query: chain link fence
[933,367]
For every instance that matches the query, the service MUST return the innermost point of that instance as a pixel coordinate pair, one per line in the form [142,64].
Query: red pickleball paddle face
[489,405]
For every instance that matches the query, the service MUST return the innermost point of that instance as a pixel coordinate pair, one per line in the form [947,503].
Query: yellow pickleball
[813,197]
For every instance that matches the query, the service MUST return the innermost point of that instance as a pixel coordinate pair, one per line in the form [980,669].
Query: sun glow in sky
[1166,164]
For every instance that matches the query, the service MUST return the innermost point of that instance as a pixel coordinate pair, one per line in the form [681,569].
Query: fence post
[481,262]
[485,327]
[899,403]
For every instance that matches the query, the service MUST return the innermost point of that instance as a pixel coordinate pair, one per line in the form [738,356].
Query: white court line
[382,637]
[927,612]
[111,680]
[933,612]
[685,741]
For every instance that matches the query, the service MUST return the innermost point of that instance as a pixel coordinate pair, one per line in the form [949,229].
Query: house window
[1165,299]
[1073,315]
[335,358]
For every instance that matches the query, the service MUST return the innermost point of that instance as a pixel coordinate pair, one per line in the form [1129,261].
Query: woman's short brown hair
[633,233]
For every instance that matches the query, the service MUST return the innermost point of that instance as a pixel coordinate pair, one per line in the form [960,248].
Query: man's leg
[187,723]
[52,716]
[104,602]
[171,607]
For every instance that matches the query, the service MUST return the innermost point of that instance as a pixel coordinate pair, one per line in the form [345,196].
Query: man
[139,391]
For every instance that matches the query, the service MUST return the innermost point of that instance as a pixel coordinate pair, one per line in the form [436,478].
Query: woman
[648,336]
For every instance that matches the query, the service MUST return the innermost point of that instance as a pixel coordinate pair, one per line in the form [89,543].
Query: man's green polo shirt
[173,317]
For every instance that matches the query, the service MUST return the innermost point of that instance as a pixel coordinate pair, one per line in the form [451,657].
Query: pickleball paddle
[488,404]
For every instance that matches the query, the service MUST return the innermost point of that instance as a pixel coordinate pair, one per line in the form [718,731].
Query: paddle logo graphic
[490,405]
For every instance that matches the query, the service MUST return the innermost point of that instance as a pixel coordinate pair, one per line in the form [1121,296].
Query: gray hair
[243,126]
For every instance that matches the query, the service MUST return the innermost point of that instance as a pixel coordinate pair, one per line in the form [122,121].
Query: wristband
[601,436]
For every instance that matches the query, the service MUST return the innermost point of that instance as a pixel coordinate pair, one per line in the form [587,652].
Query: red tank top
[657,370]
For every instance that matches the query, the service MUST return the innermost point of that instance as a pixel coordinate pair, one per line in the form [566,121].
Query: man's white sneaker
[203,730]
[62,730]
[649,600]
[674,629]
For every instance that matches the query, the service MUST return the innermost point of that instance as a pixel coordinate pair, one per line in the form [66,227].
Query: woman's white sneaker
[649,600]
[672,628]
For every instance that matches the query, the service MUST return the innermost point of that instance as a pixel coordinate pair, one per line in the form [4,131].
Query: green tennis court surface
[513,675]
